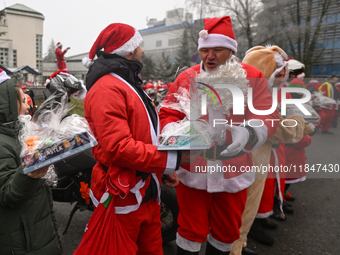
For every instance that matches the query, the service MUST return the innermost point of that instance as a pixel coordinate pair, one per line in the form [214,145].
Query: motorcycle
[74,174]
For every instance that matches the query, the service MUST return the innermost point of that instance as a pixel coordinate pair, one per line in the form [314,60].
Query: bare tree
[50,55]
[243,13]
[297,26]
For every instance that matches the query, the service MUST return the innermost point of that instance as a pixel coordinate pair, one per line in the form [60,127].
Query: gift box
[183,142]
[59,150]
[52,134]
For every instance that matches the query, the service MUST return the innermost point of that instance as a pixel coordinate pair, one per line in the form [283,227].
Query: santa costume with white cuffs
[125,123]
[211,204]
[59,54]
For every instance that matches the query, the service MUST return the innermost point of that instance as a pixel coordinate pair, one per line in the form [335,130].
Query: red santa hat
[58,44]
[3,76]
[218,32]
[117,38]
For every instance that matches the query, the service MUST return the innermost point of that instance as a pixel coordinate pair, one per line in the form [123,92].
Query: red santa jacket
[126,142]
[59,54]
[228,181]
[149,86]
[315,84]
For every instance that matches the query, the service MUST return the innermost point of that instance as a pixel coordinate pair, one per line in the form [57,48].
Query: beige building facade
[21,33]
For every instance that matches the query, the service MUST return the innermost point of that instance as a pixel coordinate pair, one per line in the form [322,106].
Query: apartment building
[21,32]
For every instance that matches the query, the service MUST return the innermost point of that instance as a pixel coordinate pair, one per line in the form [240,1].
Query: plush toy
[31,143]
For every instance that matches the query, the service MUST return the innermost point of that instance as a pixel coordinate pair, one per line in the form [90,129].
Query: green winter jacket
[27,222]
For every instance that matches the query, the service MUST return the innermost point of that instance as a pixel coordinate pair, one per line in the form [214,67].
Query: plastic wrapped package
[52,135]
[320,100]
[186,135]
[192,132]
[292,109]
[66,81]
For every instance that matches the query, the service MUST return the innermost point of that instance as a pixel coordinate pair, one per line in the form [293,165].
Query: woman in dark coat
[27,221]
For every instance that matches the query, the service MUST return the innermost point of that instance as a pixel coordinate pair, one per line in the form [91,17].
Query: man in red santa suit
[125,123]
[59,54]
[211,204]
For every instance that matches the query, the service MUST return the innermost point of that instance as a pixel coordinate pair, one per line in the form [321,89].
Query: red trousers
[267,200]
[144,227]
[202,213]
[326,116]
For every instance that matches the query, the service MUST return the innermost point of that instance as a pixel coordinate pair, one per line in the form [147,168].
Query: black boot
[265,223]
[248,251]
[180,251]
[211,250]
[257,233]
[287,208]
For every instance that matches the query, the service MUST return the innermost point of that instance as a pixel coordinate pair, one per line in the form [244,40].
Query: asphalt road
[314,228]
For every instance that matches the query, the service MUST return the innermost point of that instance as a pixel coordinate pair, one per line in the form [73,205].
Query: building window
[335,69]
[331,18]
[329,44]
[313,21]
[172,14]
[173,42]
[158,43]
[337,43]
[322,69]
[4,56]
[15,61]
[39,65]
[38,46]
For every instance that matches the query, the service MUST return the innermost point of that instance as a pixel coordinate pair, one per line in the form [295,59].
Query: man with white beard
[211,204]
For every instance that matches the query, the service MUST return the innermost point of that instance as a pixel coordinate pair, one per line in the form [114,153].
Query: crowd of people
[222,208]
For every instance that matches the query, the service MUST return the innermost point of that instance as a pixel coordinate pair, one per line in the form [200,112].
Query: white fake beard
[229,73]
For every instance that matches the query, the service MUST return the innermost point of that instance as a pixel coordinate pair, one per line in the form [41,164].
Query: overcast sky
[77,23]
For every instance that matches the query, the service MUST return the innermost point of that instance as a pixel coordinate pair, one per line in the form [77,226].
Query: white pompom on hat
[218,32]
[116,38]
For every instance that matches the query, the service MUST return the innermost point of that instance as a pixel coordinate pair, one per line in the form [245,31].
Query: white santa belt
[212,178]
[136,191]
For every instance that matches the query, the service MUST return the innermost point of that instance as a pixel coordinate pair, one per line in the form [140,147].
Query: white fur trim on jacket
[217,40]
[302,179]
[263,215]
[187,245]
[215,182]
[171,162]
[130,45]
[87,62]
[4,77]
[219,245]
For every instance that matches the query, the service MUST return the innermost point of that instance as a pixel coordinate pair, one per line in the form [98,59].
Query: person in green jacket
[27,221]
